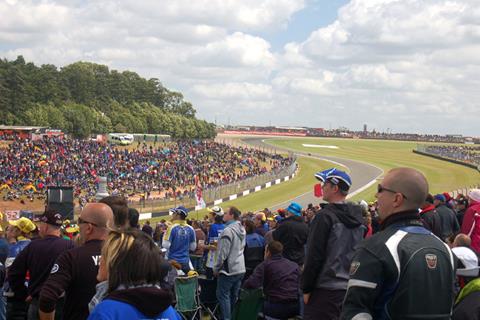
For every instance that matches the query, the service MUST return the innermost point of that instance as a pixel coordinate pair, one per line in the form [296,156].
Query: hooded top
[334,233]
[231,244]
[136,303]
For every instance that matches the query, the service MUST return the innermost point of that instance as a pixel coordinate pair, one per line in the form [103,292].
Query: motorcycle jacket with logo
[402,272]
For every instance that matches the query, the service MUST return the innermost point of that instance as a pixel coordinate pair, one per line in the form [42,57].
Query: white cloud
[402,64]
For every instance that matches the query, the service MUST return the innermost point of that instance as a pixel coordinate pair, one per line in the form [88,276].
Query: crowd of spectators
[466,153]
[173,170]
[332,260]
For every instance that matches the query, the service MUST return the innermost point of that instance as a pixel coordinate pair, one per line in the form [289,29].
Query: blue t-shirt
[180,235]
[215,229]
[117,310]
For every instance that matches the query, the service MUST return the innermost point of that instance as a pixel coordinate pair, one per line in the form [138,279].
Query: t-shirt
[179,235]
[38,258]
[74,272]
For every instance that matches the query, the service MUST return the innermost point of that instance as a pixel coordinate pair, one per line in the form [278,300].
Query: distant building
[27,132]
[365,128]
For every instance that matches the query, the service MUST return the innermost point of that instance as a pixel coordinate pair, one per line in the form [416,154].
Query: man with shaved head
[75,271]
[404,271]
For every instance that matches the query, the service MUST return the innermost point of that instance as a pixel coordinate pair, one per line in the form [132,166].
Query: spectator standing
[279,278]
[133,217]
[430,217]
[261,226]
[216,228]
[230,264]
[76,271]
[38,259]
[461,205]
[197,256]
[292,234]
[273,223]
[18,236]
[147,228]
[403,253]
[179,239]
[133,266]
[254,248]
[334,233]
[448,219]
[473,208]
[119,206]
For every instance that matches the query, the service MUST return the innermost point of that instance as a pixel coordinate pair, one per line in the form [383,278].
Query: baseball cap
[181,210]
[51,217]
[469,260]
[439,197]
[336,177]
[24,224]
[295,209]
[217,210]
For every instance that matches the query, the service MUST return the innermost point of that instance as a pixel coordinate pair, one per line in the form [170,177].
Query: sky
[395,65]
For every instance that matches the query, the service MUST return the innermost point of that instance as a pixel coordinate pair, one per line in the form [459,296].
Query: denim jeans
[228,288]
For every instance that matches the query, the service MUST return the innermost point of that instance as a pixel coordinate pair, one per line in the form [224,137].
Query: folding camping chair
[208,297]
[249,304]
[187,297]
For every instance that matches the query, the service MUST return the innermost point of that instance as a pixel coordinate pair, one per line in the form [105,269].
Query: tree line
[86,98]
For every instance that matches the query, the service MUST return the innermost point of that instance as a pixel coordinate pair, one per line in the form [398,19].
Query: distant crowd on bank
[409,254]
[170,171]
[465,153]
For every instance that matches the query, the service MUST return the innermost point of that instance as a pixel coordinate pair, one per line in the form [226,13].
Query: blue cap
[440,197]
[334,176]
[179,210]
[295,209]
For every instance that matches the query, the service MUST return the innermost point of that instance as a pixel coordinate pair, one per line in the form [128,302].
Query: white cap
[217,210]
[469,259]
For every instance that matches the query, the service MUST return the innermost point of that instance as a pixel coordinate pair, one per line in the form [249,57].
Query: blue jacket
[117,310]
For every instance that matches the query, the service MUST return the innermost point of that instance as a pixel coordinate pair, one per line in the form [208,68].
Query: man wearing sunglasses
[75,271]
[403,271]
[334,233]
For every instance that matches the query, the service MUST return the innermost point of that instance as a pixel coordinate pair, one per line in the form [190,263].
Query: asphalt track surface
[363,174]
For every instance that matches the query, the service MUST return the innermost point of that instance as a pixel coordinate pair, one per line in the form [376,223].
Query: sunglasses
[80,221]
[381,188]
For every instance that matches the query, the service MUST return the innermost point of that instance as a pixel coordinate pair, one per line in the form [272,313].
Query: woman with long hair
[133,266]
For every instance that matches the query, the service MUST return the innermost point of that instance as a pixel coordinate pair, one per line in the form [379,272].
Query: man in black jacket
[334,232]
[448,218]
[75,271]
[292,234]
[404,271]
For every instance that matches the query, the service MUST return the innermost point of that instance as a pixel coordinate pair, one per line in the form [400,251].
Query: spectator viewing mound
[467,154]
[139,172]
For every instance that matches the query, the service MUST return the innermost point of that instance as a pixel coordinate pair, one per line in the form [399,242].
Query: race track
[363,174]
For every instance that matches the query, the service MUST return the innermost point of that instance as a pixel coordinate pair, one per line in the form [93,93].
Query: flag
[199,193]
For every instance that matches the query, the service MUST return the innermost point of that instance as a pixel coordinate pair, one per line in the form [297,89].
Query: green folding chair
[249,304]
[187,296]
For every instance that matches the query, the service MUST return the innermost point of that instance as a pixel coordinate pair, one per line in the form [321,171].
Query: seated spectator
[133,266]
[254,248]
[279,278]
[133,217]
